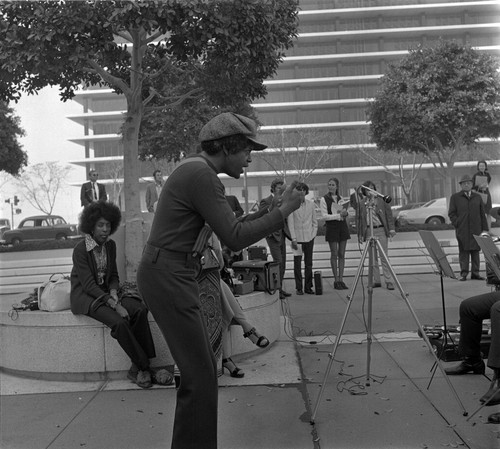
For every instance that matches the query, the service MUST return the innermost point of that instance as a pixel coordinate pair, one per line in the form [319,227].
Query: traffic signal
[16,200]
[7,201]
[18,211]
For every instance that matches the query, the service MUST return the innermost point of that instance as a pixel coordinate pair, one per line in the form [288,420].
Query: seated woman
[94,292]
[232,313]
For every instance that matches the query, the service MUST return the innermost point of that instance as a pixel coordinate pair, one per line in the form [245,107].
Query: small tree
[437,101]
[299,150]
[41,183]
[114,170]
[406,178]
[12,157]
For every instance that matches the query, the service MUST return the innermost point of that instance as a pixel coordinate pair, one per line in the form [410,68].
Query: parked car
[41,227]
[4,226]
[396,210]
[434,212]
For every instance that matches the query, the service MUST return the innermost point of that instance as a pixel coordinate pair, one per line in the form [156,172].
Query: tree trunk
[133,216]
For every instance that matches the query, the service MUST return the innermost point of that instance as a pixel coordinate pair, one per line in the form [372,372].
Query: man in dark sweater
[194,196]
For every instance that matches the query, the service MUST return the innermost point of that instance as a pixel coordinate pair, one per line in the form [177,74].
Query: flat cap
[230,124]
[465,178]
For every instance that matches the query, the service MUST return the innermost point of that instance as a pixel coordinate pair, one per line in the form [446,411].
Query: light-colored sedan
[434,213]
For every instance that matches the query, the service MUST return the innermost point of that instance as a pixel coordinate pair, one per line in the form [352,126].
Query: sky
[43,118]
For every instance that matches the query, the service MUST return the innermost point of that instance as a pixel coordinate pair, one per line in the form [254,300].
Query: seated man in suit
[472,313]
[92,191]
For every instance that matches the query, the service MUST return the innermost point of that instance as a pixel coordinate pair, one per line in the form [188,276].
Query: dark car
[41,227]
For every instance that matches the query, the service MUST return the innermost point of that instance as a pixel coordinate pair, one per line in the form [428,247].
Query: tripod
[372,245]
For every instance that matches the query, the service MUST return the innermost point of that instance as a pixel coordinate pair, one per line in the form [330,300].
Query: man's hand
[392,233]
[122,311]
[291,199]
[277,200]
[294,244]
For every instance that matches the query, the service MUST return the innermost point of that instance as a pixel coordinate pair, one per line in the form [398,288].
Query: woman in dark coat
[95,293]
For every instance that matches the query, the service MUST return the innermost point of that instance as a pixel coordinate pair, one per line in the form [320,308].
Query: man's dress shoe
[463,278]
[465,367]
[494,418]
[477,278]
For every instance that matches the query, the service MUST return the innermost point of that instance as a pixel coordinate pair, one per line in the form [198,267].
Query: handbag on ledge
[54,295]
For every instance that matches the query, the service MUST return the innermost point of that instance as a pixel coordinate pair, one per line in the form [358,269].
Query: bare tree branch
[41,183]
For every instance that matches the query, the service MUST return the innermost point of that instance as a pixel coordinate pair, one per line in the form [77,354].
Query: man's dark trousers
[463,258]
[472,313]
[277,247]
[171,293]
[307,250]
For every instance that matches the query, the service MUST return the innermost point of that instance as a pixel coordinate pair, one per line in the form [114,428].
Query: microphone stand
[372,245]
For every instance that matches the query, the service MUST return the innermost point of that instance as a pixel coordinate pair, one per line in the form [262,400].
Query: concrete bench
[63,346]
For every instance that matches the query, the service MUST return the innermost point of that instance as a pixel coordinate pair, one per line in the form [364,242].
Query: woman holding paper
[337,233]
[480,182]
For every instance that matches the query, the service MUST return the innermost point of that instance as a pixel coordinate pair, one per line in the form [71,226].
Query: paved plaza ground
[404,406]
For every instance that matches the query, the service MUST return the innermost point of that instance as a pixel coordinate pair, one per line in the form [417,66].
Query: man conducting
[194,196]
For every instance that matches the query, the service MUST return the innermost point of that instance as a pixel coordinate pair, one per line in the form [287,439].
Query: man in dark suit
[467,215]
[92,190]
[276,240]
[153,191]
[235,205]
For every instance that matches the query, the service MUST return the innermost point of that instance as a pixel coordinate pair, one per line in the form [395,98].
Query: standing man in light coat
[303,226]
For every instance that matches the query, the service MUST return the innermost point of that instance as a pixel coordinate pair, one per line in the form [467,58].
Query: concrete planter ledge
[63,346]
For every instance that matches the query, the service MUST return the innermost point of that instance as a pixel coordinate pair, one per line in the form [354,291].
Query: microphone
[386,198]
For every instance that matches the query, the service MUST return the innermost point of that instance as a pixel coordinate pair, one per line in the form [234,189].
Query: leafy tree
[41,183]
[229,47]
[12,157]
[437,101]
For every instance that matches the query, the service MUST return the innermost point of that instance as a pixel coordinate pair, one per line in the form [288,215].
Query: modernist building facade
[314,116]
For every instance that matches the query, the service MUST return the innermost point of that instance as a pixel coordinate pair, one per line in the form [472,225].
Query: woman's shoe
[343,286]
[337,286]
[234,371]
[162,377]
[256,339]
[141,379]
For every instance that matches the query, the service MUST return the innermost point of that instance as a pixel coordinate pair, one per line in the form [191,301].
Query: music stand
[439,257]
[490,251]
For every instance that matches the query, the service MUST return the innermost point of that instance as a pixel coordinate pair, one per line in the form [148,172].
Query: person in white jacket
[303,227]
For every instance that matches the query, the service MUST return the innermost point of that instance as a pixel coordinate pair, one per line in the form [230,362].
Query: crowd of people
[170,283]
